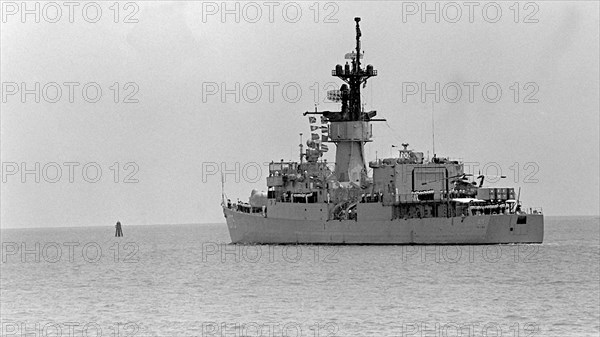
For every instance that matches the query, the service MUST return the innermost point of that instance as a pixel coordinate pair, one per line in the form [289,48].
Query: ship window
[521,220]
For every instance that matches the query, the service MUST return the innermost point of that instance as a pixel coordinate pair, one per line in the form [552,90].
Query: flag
[314,136]
[313,128]
[312,120]
[324,138]
[323,120]
[324,148]
[334,95]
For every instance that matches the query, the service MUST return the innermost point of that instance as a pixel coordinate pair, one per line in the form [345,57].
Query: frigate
[407,199]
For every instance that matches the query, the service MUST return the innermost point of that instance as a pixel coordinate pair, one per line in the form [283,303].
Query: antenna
[301,147]
[433,127]
[222,189]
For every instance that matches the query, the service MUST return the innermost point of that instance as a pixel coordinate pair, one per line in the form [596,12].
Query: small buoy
[119,230]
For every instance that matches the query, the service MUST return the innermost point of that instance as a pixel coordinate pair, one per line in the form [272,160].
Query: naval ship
[406,200]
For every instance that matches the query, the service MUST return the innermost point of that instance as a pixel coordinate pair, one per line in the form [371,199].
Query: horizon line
[224,223]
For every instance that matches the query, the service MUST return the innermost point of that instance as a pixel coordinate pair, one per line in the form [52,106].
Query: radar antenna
[354,76]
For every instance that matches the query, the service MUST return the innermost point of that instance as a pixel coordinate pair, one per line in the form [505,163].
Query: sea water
[187,280]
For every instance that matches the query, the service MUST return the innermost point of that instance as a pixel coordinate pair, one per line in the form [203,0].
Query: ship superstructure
[407,200]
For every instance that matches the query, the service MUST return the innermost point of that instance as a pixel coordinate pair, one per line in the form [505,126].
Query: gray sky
[177,51]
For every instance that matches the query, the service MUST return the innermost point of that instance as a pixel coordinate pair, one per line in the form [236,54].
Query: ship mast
[355,77]
[350,128]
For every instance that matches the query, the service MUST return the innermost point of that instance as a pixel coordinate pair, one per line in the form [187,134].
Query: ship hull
[245,228]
